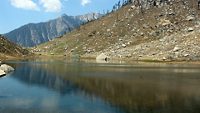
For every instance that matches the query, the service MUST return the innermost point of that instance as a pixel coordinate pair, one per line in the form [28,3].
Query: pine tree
[119,5]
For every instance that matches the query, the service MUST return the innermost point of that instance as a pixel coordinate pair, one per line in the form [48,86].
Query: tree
[130,1]
[114,8]
[93,16]
[119,4]
[123,3]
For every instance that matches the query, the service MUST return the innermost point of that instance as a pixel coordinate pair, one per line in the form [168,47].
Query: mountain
[9,49]
[164,30]
[33,34]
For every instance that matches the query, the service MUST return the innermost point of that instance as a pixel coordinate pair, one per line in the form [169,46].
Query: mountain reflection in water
[32,88]
[34,74]
[137,88]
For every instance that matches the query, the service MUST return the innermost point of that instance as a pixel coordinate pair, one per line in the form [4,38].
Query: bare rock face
[36,33]
[6,68]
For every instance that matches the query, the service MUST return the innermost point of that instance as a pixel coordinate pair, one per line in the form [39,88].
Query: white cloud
[24,4]
[51,5]
[85,2]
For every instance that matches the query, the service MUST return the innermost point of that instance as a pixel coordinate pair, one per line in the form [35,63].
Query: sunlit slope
[164,32]
[9,49]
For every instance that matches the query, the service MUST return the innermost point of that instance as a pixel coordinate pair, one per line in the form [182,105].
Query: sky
[15,13]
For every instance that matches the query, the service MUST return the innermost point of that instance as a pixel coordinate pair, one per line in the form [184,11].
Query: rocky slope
[33,34]
[9,49]
[161,31]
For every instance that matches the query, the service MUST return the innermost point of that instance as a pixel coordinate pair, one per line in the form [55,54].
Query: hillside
[33,34]
[167,31]
[10,50]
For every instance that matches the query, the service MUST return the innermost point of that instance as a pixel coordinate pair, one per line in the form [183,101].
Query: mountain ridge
[11,50]
[32,34]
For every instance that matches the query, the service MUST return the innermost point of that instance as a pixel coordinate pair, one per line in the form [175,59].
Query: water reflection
[33,88]
[34,74]
[136,88]
[146,95]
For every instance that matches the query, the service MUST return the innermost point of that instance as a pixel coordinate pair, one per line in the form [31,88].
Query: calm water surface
[60,86]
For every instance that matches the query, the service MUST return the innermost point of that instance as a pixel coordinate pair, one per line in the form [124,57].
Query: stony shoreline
[114,59]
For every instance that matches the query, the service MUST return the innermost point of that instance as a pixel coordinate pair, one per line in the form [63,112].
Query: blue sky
[15,13]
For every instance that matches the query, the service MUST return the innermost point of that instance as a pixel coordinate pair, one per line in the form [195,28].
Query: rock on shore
[4,69]
[2,73]
[102,56]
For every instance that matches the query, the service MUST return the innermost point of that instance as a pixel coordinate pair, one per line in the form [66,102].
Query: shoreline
[10,58]
[93,58]
[111,60]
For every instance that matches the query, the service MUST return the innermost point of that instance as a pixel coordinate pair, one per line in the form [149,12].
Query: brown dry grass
[9,50]
[127,24]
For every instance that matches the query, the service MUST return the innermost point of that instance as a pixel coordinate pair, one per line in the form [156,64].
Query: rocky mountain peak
[33,34]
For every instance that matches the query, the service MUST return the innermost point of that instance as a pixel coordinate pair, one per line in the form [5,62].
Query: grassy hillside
[10,50]
[167,32]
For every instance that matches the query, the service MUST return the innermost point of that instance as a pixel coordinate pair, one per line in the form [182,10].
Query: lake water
[61,86]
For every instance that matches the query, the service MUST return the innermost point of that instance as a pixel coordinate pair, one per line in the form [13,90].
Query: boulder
[102,56]
[164,22]
[164,58]
[6,68]
[171,12]
[186,55]
[176,48]
[123,45]
[190,29]
[2,73]
[132,7]
[120,39]
[108,30]
[72,50]
[190,18]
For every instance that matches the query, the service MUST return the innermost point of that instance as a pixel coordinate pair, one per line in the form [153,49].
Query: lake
[62,86]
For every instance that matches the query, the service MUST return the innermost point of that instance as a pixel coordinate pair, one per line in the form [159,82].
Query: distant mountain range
[36,33]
